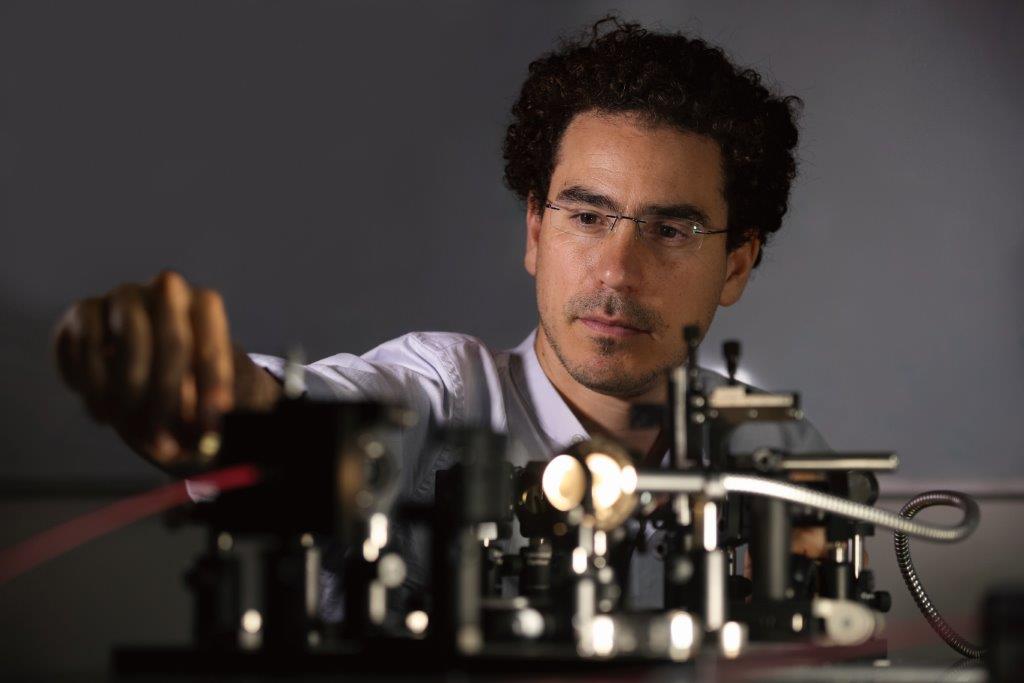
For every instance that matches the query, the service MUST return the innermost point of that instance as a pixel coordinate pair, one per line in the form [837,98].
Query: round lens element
[563,482]
[607,480]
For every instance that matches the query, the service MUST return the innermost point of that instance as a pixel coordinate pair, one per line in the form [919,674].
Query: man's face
[612,309]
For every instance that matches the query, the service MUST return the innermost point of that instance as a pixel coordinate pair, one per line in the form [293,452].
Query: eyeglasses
[669,234]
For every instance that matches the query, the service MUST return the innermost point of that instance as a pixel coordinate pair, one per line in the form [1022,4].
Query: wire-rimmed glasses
[663,233]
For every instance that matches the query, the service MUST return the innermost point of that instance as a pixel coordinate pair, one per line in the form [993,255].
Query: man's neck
[601,413]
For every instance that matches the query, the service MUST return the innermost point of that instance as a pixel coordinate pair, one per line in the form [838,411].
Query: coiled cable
[906,565]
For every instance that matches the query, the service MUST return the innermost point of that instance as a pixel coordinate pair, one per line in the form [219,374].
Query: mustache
[613,304]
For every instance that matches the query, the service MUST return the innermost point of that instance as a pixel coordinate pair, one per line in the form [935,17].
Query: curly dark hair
[666,78]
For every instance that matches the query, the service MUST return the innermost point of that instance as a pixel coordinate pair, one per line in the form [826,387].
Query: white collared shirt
[455,380]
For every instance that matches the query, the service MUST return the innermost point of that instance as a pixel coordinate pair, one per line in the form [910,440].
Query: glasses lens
[671,233]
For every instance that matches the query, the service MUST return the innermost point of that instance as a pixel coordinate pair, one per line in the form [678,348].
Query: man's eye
[587,218]
[670,233]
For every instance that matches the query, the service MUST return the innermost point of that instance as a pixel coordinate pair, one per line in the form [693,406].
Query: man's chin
[618,385]
[609,374]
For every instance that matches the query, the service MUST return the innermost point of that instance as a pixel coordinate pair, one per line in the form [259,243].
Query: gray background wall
[334,169]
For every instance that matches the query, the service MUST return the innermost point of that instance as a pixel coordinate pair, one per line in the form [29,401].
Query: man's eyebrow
[684,211]
[578,193]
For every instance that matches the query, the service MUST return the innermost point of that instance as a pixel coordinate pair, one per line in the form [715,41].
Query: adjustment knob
[731,351]
[882,601]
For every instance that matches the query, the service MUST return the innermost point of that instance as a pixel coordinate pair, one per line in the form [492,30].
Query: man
[653,173]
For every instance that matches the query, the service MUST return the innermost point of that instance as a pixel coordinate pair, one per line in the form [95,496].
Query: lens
[607,480]
[563,482]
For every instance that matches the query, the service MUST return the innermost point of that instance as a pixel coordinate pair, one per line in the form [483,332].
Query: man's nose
[620,257]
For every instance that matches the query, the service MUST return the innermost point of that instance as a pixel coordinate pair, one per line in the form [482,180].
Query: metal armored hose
[924,603]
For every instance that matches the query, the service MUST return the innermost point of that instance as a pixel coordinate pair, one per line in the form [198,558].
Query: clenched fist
[156,361]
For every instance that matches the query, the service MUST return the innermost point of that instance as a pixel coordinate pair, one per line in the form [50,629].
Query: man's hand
[157,363]
[810,542]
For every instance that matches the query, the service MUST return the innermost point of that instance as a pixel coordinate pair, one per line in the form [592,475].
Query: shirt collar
[555,420]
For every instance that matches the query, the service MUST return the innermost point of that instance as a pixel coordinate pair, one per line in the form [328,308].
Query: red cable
[33,551]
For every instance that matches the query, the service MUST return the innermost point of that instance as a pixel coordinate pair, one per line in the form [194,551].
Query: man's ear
[534,217]
[738,265]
